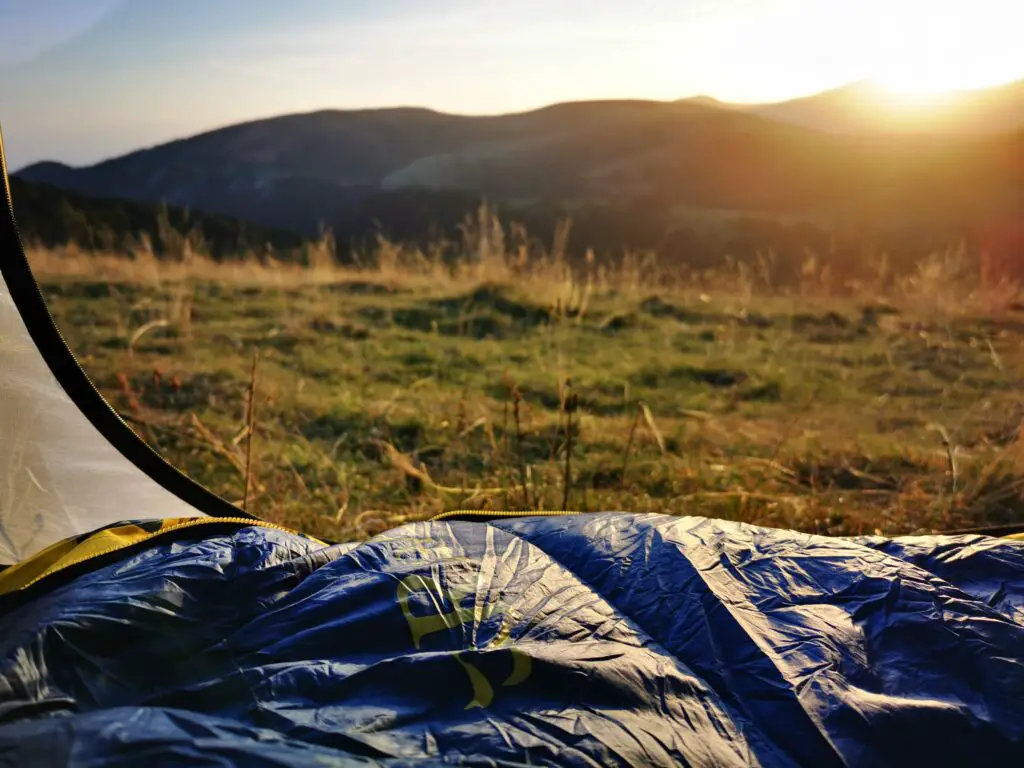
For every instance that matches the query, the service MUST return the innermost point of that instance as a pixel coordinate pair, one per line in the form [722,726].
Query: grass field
[403,390]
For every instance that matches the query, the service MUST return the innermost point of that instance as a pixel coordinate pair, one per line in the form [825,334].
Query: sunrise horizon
[90,81]
[899,100]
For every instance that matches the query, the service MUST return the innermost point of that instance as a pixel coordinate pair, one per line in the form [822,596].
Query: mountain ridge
[786,111]
[303,170]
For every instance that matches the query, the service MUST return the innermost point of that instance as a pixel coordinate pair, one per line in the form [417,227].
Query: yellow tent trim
[79,549]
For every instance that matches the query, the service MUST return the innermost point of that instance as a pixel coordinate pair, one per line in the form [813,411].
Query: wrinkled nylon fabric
[597,640]
[58,475]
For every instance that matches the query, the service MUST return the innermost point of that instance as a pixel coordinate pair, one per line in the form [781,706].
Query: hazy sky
[85,79]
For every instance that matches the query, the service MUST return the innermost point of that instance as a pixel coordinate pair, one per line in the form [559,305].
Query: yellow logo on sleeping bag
[441,620]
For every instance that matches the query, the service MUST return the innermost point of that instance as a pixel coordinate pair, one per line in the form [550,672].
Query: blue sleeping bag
[597,640]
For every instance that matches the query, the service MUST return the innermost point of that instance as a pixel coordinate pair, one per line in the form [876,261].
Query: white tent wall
[59,476]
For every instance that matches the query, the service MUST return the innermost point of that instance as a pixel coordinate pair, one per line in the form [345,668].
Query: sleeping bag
[589,640]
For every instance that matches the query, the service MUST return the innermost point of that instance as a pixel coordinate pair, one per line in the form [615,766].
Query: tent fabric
[60,476]
[595,640]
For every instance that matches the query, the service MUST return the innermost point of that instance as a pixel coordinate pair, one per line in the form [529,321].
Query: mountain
[866,108]
[969,193]
[297,170]
[710,101]
[605,160]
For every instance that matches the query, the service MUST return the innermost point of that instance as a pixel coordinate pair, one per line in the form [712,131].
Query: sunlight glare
[920,48]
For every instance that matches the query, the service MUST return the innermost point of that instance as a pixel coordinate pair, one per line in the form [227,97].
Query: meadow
[415,385]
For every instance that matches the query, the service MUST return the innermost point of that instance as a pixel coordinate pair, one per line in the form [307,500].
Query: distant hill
[679,177]
[298,171]
[984,209]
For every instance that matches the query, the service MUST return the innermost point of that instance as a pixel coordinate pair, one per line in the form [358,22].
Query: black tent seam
[29,301]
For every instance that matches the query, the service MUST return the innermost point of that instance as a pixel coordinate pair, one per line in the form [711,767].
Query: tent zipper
[489,514]
[241,521]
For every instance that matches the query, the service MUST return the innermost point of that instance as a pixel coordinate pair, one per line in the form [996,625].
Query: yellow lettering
[441,619]
[522,665]
[421,626]
[483,693]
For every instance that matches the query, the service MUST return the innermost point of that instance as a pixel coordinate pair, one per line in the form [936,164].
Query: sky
[82,80]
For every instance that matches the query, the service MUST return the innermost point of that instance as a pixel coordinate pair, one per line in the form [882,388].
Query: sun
[921,48]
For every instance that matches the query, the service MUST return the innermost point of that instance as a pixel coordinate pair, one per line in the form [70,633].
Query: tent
[145,621]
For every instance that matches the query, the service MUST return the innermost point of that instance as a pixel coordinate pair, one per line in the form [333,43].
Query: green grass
[385,398]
